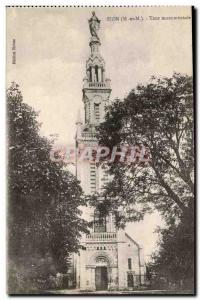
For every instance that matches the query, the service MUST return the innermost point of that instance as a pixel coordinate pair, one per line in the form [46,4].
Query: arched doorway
[101,273]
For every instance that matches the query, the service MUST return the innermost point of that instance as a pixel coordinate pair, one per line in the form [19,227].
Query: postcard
[100,132]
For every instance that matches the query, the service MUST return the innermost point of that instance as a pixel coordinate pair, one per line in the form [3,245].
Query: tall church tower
[96,93]
[110,259]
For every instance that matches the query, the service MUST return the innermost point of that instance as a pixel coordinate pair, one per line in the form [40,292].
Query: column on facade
[82,269]
[90,278]
[88,74]
[93,278]
[76,270]
[114,278]
[103,74]
[121,260]
[99,74]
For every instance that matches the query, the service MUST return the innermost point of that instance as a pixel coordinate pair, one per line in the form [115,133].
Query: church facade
[109,259]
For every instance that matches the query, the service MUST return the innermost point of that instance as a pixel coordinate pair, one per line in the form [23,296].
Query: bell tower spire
[96,88]
[107,256]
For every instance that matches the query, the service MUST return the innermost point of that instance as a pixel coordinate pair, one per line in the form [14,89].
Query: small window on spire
[96,112]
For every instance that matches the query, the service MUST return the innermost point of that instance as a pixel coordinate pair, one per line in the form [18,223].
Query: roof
[128,236]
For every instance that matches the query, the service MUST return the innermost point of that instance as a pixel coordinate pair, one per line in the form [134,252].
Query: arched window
[99,221]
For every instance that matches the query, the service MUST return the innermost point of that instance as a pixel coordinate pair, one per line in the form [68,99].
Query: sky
[52,46]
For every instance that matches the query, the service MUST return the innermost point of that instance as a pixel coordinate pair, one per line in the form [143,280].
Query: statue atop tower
[94,24]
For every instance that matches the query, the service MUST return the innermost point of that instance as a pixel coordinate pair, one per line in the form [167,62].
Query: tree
[158,116]
[44,219]
[174,259]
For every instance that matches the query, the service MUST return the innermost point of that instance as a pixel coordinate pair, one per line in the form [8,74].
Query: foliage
[159,116]
[174,261]
[44,220]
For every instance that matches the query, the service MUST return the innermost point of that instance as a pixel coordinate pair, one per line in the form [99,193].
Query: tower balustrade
[101,237]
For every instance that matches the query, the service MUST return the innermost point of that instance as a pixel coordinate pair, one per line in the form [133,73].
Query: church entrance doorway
[101,278]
